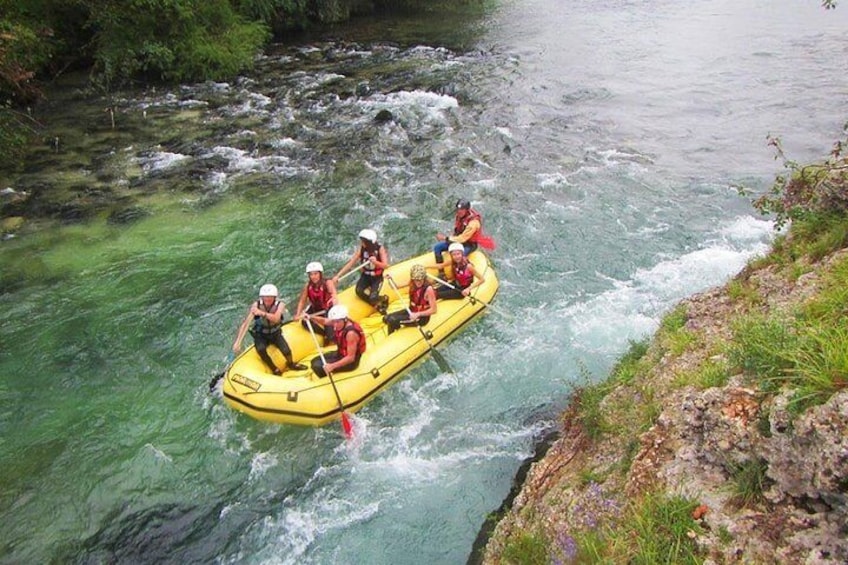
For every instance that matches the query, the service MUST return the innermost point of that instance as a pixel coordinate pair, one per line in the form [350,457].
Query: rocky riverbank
[682,446]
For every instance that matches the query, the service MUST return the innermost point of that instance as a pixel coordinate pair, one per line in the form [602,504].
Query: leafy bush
[808,192]
[172,39]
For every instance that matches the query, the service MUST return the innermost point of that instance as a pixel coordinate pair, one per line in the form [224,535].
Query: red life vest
[319,295]
[418,297]
[365,253]
[462,274]
[461,223]
[342,342]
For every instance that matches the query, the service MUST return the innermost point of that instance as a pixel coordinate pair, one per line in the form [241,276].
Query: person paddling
[266,317]
[465,276]
[373,259]
[422,301]
[319,295]
[349,337]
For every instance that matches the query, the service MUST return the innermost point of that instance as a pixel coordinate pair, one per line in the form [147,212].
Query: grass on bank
[655,528]
[807,349]
[592,415]
[748,482]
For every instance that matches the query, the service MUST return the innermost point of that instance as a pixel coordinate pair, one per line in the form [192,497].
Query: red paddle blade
[486,242]
[347,426]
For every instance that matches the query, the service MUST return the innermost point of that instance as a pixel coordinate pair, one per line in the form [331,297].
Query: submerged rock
[384,116]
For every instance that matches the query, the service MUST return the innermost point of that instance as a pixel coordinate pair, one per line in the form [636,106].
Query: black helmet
[463,204]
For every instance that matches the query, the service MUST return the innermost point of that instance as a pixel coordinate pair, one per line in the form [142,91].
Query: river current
[601,141]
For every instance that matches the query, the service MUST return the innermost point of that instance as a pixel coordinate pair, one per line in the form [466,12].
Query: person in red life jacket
[373,259]
[266,317]
[349,337]
[465,276]
[422,302]
[467,227]
[320,294]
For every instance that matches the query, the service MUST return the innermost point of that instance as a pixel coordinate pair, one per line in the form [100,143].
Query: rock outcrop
[703,444]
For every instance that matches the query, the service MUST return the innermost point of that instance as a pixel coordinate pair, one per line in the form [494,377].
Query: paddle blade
[347,426]
[441,361]
[215,380]
[220,375]
[486,242]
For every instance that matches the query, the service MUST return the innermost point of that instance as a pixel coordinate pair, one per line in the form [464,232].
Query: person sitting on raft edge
[320,295]
[373,259]
[349,337]
[465,276]
[266,315]
[422,302]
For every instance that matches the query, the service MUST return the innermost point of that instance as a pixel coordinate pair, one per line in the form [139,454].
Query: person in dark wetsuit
[349,337]
[318,295]
[465,276]
[373,259]
[266,318]
[422,302]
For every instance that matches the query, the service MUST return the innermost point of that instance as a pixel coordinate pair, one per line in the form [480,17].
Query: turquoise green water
[602,154]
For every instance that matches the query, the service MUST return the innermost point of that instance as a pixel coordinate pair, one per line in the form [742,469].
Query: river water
[601,141]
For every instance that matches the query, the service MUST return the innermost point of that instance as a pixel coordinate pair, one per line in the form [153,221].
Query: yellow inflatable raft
[300,397]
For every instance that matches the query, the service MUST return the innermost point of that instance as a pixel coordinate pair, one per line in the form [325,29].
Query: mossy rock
[11,224]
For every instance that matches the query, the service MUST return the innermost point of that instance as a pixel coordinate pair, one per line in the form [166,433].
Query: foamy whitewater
[602,143]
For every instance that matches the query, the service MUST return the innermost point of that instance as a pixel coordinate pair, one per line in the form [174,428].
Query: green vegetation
[742,291]
[589,397]
[749,481]
[653,529]
[759,346]
[172,40]
[125,41]
[807,351]
[707,375]
[673,335]
[526,549]
[813,196]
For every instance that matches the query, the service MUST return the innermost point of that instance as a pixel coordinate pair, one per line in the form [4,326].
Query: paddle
[473,299]
[440,360]
[346,425]
[220,375]
[356,270]
[486,242]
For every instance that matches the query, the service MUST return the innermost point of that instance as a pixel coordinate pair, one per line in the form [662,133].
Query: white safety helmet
[456,247]
[337,312]
[368,234]
[268,290]
[314,266]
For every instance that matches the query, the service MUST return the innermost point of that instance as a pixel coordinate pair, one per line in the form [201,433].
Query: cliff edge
[724,439]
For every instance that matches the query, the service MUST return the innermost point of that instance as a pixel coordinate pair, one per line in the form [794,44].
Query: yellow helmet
[418,273]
